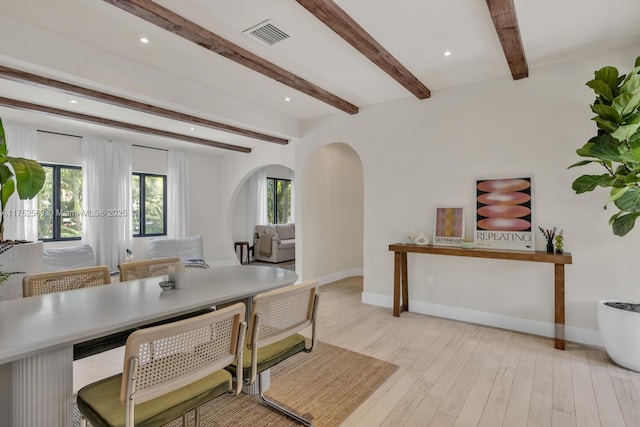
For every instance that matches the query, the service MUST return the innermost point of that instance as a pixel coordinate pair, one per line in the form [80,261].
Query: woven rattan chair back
[166,357]
[64,280]
[282,312]
[149,268]
[277,315]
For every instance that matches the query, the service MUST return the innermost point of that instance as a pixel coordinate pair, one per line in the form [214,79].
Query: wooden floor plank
[563,402]
[517,411]
[408,405]
[584,394]
[495,409]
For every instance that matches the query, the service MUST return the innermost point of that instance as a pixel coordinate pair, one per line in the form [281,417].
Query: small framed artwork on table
[449,227]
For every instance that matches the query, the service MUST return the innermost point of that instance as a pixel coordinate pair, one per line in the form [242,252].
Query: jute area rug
[326,386]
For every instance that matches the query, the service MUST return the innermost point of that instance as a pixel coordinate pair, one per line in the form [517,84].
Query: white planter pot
[23,258]
[620,334]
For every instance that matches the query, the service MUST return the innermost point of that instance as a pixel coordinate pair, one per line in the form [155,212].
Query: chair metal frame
[149,268]
[65,280]
[164,358]
[276,315]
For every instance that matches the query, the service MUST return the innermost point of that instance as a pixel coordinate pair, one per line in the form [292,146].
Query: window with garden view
[60,203]
[148,204]
[279,200]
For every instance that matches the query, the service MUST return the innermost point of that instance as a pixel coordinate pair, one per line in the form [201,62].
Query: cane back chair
[65,280]
[149,268]
[169,370]
[276,318]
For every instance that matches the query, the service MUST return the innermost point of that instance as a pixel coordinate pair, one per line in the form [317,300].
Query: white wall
[418,155]
[333,209]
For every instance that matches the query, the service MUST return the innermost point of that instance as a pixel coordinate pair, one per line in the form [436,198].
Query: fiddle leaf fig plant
[25,175]
[616,146]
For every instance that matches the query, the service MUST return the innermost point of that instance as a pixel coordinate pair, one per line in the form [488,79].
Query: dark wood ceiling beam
[346,27]
[28,106]
[503,14]
[189,30]
[47,83]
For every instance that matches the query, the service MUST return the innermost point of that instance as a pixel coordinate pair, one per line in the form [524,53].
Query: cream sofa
[275,243]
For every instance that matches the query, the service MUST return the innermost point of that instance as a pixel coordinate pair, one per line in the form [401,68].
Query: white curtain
[21,216]
[293,197]
[257,203]
[178,195]
[106,199]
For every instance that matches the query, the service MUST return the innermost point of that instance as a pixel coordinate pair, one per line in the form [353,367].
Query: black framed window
[149,204]
[60,203]
[279,200]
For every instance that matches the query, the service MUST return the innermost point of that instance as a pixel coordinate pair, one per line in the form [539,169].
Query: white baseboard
[323,280]
[535,327]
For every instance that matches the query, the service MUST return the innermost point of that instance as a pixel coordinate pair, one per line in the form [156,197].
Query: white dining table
[37,334]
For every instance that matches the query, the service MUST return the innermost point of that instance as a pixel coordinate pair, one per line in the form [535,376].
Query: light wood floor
[459,374]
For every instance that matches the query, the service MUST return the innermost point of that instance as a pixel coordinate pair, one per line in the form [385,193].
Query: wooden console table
[401,283]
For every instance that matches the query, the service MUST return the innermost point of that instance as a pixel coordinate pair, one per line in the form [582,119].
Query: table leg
[405,283]
[397,283]
[559,305]
[41,388]
[6,395]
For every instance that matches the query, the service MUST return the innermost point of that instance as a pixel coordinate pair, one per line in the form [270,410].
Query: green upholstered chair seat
[271,354]
[100,402]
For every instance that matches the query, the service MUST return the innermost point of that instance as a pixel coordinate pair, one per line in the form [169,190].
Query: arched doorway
[245,203]
[332,214]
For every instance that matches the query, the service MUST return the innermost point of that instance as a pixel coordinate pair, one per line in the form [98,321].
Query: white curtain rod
[77,136]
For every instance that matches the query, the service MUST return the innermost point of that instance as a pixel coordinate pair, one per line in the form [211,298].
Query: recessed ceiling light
[447,53]
[144,40]
[193,128]
[73,101]
[287,99]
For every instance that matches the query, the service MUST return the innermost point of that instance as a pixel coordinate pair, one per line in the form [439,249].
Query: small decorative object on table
[421,239]
[549,235]
[176,275]
[468,243]
[559,243]
[166,284]
[129,256]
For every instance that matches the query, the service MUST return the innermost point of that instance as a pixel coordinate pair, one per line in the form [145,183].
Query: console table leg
[559,305]
[405,283]
[397,283]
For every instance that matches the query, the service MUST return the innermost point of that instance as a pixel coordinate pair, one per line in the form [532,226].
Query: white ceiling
[94,44]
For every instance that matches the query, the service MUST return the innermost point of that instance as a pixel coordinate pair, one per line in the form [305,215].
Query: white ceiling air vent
[267,33]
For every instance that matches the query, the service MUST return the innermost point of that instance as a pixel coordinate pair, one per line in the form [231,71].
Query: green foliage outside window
[148,204]
[279,200]
[60,203]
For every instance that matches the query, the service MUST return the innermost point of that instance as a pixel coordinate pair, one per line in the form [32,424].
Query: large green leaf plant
[25,175]
[616,147]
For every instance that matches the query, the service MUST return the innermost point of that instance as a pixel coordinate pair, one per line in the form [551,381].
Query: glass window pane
[45,206]
[154,205]
[70,213]
[135,204]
